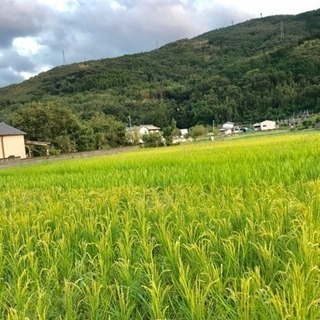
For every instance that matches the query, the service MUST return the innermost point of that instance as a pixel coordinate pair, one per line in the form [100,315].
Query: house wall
[184,132]
[1,147]
[268,125]
[143,131]
[12,146]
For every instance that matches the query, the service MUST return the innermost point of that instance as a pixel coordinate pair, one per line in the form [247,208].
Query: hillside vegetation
[205,231]
[262,68]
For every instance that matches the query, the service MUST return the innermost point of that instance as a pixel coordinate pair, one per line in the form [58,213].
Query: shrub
[153,140]
[197,131]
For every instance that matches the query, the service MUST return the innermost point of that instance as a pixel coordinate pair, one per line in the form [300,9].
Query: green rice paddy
[219,230]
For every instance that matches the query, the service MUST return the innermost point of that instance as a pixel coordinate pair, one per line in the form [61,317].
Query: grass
[224,230]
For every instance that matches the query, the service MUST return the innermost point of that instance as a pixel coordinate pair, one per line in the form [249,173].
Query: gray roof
[6,130]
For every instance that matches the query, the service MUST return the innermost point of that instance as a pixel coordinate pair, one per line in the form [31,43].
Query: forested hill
[263,68]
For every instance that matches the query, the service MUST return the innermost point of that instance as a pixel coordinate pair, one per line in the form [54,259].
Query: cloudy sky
[36,35]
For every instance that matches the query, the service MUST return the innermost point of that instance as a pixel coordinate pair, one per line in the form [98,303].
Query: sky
[37,35]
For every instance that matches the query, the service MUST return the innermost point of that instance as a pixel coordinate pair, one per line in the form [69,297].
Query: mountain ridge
[264,67]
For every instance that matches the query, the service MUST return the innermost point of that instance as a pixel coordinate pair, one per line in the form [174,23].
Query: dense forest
[262,68]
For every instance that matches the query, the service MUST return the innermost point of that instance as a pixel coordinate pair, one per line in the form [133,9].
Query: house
[11,142]
[268,125]
[148,129]
[227,128]
[264,125]
[182,137]
[184,132]
[134,134]
[257,126]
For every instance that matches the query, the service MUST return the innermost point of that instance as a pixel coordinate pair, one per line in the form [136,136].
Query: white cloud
[26,46]
[115,5]
[26,75]
[60,5]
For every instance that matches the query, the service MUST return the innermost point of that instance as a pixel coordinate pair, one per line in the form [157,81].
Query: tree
[108,131]
[48,122]
[198,131]
[86,138]
[153,140]
[65,144]
[167,134]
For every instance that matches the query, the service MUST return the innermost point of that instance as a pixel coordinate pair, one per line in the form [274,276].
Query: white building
[257,126]
[147,129]
[184,132]
[268,125]
[265,125]
[11,142]
[228,128]
[182,138]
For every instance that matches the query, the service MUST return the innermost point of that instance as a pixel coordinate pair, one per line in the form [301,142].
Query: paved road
[20,162]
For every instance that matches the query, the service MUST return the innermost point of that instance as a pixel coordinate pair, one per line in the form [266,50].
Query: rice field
[222,230]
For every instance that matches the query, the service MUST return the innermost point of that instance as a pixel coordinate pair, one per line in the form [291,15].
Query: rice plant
[223,230]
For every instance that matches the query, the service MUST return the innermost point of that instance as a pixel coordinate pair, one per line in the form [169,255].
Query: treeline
[66,131]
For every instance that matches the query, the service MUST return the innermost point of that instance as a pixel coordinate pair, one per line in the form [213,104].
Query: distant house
[184,132]
[257,126]
[268,125]
[11,142]
[265,125]
[148,129]
[134,134]
[182,137]
[228,128]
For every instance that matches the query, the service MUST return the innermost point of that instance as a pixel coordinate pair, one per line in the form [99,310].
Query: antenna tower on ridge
[63,58]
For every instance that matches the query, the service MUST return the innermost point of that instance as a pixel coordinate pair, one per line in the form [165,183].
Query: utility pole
[130,122]
[130,128]
[212,134]
[281,30]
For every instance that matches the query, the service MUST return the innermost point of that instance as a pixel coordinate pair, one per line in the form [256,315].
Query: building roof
[150,127]
[228,125]
[268,121]
[6,130]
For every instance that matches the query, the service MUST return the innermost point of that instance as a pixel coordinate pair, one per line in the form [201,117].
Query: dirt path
[20,162]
